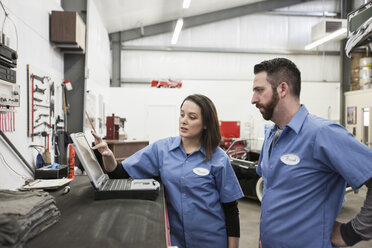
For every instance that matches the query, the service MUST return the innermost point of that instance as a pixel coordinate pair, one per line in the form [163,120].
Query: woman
[201,188]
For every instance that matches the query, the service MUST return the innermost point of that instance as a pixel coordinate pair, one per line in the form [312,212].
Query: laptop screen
[88,159]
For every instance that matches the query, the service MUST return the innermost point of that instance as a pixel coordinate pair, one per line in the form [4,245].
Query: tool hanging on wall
[43,123]
[41,105]
[41,115]
[43,133]
[67,86]
[37,99]
[41,79]
[39,90]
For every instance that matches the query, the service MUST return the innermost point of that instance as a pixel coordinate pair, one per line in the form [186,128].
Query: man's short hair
[281,70]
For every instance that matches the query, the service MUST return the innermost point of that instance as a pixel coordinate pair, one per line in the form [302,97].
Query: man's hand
[336,237]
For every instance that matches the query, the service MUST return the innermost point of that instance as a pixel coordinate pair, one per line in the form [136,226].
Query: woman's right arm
[109,161]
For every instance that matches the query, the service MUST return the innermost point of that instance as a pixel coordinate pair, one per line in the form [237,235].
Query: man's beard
[268,109]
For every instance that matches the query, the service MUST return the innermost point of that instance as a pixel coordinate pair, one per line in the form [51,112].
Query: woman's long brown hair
[211,136]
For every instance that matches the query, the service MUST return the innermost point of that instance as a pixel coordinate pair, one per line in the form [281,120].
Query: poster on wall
[352,115]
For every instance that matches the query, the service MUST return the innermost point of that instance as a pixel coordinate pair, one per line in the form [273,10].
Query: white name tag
[290,159]
[201,171]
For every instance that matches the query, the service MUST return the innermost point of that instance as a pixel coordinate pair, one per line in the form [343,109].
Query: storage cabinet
[67,31]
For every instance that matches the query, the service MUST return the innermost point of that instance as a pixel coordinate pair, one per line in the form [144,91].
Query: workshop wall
[232,100]
[29,36]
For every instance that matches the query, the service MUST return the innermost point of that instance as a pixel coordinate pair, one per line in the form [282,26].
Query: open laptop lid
[88,159]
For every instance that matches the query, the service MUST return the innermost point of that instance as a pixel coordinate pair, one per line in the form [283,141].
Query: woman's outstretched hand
[100,145]
[108,157]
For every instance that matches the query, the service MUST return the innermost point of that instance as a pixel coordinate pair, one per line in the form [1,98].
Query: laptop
[105,188]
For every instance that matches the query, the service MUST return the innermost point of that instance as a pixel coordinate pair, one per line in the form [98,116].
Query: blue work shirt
[194,190]
[305,178]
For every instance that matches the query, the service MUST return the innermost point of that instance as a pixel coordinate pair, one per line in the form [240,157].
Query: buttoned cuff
[349,235]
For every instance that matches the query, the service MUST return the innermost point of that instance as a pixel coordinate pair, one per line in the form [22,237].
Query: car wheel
[259,188]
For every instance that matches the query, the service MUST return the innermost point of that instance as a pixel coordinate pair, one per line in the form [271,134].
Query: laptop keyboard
[115,184]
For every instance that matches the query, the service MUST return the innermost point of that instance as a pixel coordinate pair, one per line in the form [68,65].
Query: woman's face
[190,122]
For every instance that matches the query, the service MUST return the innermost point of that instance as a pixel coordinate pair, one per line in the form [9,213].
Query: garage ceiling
[119,15]
[142,18]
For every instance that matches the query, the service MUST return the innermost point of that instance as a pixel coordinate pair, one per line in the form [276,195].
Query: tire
[259,188]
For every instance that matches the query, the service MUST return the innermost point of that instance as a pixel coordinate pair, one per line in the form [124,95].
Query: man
[305,163]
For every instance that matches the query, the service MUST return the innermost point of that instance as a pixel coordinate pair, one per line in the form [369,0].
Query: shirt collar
[177,143]
[298,119]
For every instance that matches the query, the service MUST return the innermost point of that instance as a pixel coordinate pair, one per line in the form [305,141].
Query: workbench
[85,222]
[124,148]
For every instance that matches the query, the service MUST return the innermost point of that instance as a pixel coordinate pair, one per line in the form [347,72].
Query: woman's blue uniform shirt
[194,190]
[305,178]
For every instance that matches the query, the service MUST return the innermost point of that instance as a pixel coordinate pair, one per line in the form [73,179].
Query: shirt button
[271,167]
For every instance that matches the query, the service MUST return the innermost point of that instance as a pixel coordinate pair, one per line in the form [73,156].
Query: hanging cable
[3,25]
[6,163]
[2,6]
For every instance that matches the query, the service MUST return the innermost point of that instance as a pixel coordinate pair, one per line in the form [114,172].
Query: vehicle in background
[244,162]
[166,83]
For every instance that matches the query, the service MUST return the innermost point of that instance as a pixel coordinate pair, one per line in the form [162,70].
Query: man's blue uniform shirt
[305,178]
[194,190]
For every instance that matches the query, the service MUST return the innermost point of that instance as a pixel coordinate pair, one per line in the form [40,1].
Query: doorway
[366,128]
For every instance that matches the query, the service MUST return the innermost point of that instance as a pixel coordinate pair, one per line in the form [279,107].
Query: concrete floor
[250,218]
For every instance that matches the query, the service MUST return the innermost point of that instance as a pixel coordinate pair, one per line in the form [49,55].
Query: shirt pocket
[199,181]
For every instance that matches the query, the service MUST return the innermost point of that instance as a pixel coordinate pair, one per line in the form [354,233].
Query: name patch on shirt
[290,159]
[201,171]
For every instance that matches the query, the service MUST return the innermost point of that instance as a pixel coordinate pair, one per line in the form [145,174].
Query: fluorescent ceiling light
[177,31]
[338,34]
[186,4]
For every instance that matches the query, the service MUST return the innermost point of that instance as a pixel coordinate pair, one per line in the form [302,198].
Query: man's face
[264,97]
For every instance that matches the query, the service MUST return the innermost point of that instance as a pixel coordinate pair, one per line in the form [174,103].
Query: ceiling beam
[193,21]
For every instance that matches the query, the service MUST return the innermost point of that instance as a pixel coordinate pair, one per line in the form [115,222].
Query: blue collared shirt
[305,178]
[194,190]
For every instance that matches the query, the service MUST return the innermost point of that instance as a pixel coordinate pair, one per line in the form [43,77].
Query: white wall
[232,100]
[31,19]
